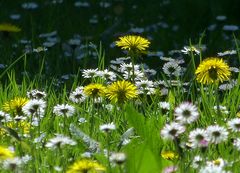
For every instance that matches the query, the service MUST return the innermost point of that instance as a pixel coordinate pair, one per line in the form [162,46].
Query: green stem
[11,65]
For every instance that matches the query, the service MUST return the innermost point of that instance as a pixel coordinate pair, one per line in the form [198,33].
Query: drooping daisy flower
[186,113]
[172,131]
[234,124]
[121,91]
[197,161]
[15,105]
[227,52]
[107,127]
[86,165]
[35,107]
[197,136]
[94,90]
[6,27]
[5,153]
[77,96]
[133,42]
[172,69]
[217,134]
[36,94]
[59,141]
[64,110]
[212,70]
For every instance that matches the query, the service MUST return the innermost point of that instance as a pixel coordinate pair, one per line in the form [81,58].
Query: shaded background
[73,30]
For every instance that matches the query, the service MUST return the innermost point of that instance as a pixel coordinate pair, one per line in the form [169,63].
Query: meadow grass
[121,137]
[138,125]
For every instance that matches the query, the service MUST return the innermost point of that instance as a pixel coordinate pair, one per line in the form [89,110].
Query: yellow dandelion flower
[212,70]
[15,105]
[238,114]
[133,42]
[95,90]
[22,126]
[5,153]
[169,155]
[121,91]
[86,166]
[6,27]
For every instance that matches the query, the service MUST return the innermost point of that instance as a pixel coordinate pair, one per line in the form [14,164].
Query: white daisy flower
[227,52]
[164,105]
[35,107]
[118,158]
[197,161]
[59,141]
[189,49]
[5,117]
[228,86]
[236,143]
[107,75]
[78,96]
[172,69]
[64,110]
[186,113]
[107,127]
[223,109]
[218,162]
[197,136]
[138,75]
[234,124]
[12,163]
[128,67]
[36,94]
[89,73]
[217,134]
[145,86]
[86,155]
[212,169]
[172,130]
[234,69]
[150,72]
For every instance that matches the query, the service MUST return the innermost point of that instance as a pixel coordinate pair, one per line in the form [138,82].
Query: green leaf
[141,160]
[137,120]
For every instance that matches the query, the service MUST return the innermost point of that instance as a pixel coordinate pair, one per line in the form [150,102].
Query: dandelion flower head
[95,90]
[15,105]
[121,91]
[86,165]
[6,27]
[5,153]
[212,70]
[169,155]
[133,42]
